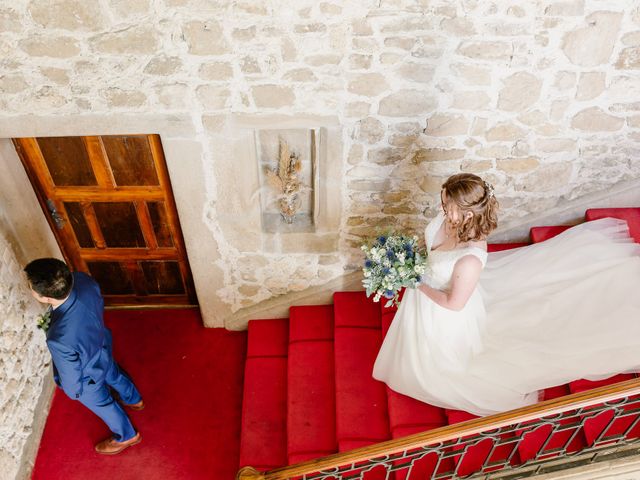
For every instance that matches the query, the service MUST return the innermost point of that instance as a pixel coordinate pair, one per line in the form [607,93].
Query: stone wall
[540,97]
[23,363]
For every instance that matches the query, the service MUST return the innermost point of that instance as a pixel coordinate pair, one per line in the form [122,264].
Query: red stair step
[498,247]
[361,401]
[593,427]
[483,451]
[583,385]
[263,435]
[631,215]
[408,415]
[475,454]
[534,440]
[540,234]
[311,384]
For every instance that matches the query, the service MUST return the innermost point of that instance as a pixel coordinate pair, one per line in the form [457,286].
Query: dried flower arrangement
[284,180]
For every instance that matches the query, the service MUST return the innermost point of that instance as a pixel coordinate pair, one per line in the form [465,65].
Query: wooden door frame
[27,146]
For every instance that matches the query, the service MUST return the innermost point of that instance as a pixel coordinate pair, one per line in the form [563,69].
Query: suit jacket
[79,343]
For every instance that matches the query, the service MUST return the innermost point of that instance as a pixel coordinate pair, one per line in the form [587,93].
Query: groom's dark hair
[49,277]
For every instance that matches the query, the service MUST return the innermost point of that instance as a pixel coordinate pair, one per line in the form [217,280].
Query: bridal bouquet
[391,263]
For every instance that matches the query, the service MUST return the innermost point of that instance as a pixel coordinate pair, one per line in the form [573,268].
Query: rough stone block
[593,44]
[368,84]
[68,14]
[552,145]
[136,39]
[272,96]
[565,8]
[57,75]
[360,62]
[128,8]
[505,131]
[10,20]
[590,85]
[415,72]
[163,65]
[521,90]
[305,75]
[459,26]
[546,178]
[117,97]
[629,59]
[369,185]
[485,50]
[514,166]
[205,38]
[472,74]
[57,47]
[631,39]
[403,43]
[446,125]
[13,84]
[594,119]
[406,103]
[386,156]
[437,155]
[371,130]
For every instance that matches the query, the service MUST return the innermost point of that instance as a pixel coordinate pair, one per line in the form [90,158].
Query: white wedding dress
[542,315]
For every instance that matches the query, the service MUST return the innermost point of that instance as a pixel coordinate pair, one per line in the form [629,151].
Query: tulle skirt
[542,315]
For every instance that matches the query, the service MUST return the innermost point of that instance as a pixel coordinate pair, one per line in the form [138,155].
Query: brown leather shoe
[135,406]
[111,446]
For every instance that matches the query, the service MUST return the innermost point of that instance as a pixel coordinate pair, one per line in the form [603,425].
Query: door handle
[55,216]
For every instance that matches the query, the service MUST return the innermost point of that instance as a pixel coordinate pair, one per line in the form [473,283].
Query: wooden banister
[543,409]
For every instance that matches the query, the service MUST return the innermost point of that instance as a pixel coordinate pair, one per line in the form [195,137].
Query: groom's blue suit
[83,364]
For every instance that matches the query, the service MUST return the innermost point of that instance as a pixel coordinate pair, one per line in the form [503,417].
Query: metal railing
[517,443]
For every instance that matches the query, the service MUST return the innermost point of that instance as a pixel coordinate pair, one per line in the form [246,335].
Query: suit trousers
[97,397]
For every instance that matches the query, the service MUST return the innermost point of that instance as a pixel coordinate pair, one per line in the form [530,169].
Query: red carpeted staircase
[308,389]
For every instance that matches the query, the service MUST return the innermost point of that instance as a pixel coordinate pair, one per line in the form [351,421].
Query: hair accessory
[489,188]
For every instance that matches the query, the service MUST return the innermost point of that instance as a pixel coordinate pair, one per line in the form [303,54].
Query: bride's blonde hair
[472,194]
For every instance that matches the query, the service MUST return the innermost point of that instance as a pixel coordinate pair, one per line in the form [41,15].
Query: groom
[80,346]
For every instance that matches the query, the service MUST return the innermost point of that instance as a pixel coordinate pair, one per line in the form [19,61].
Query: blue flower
[368,263]
[386,271]
[382,240]
[388,294]
[391,255]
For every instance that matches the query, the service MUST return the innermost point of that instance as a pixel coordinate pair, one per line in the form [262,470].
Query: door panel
[118,223]
[160,223]
[130,160]
[109,202]
[57,152]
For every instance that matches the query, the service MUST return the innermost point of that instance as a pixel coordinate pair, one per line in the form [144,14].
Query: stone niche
[287,166]
[248,207]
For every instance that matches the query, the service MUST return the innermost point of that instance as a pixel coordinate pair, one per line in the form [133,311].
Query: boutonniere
[44,319]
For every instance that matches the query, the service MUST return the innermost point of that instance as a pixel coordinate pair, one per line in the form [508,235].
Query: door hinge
[55,216]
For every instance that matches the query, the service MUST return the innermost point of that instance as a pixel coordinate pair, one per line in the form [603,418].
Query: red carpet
[191,380]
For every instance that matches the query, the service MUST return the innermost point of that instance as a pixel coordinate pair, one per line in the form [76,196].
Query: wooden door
[109,203]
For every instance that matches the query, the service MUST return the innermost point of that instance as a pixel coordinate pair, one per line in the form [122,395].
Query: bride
[485,332]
